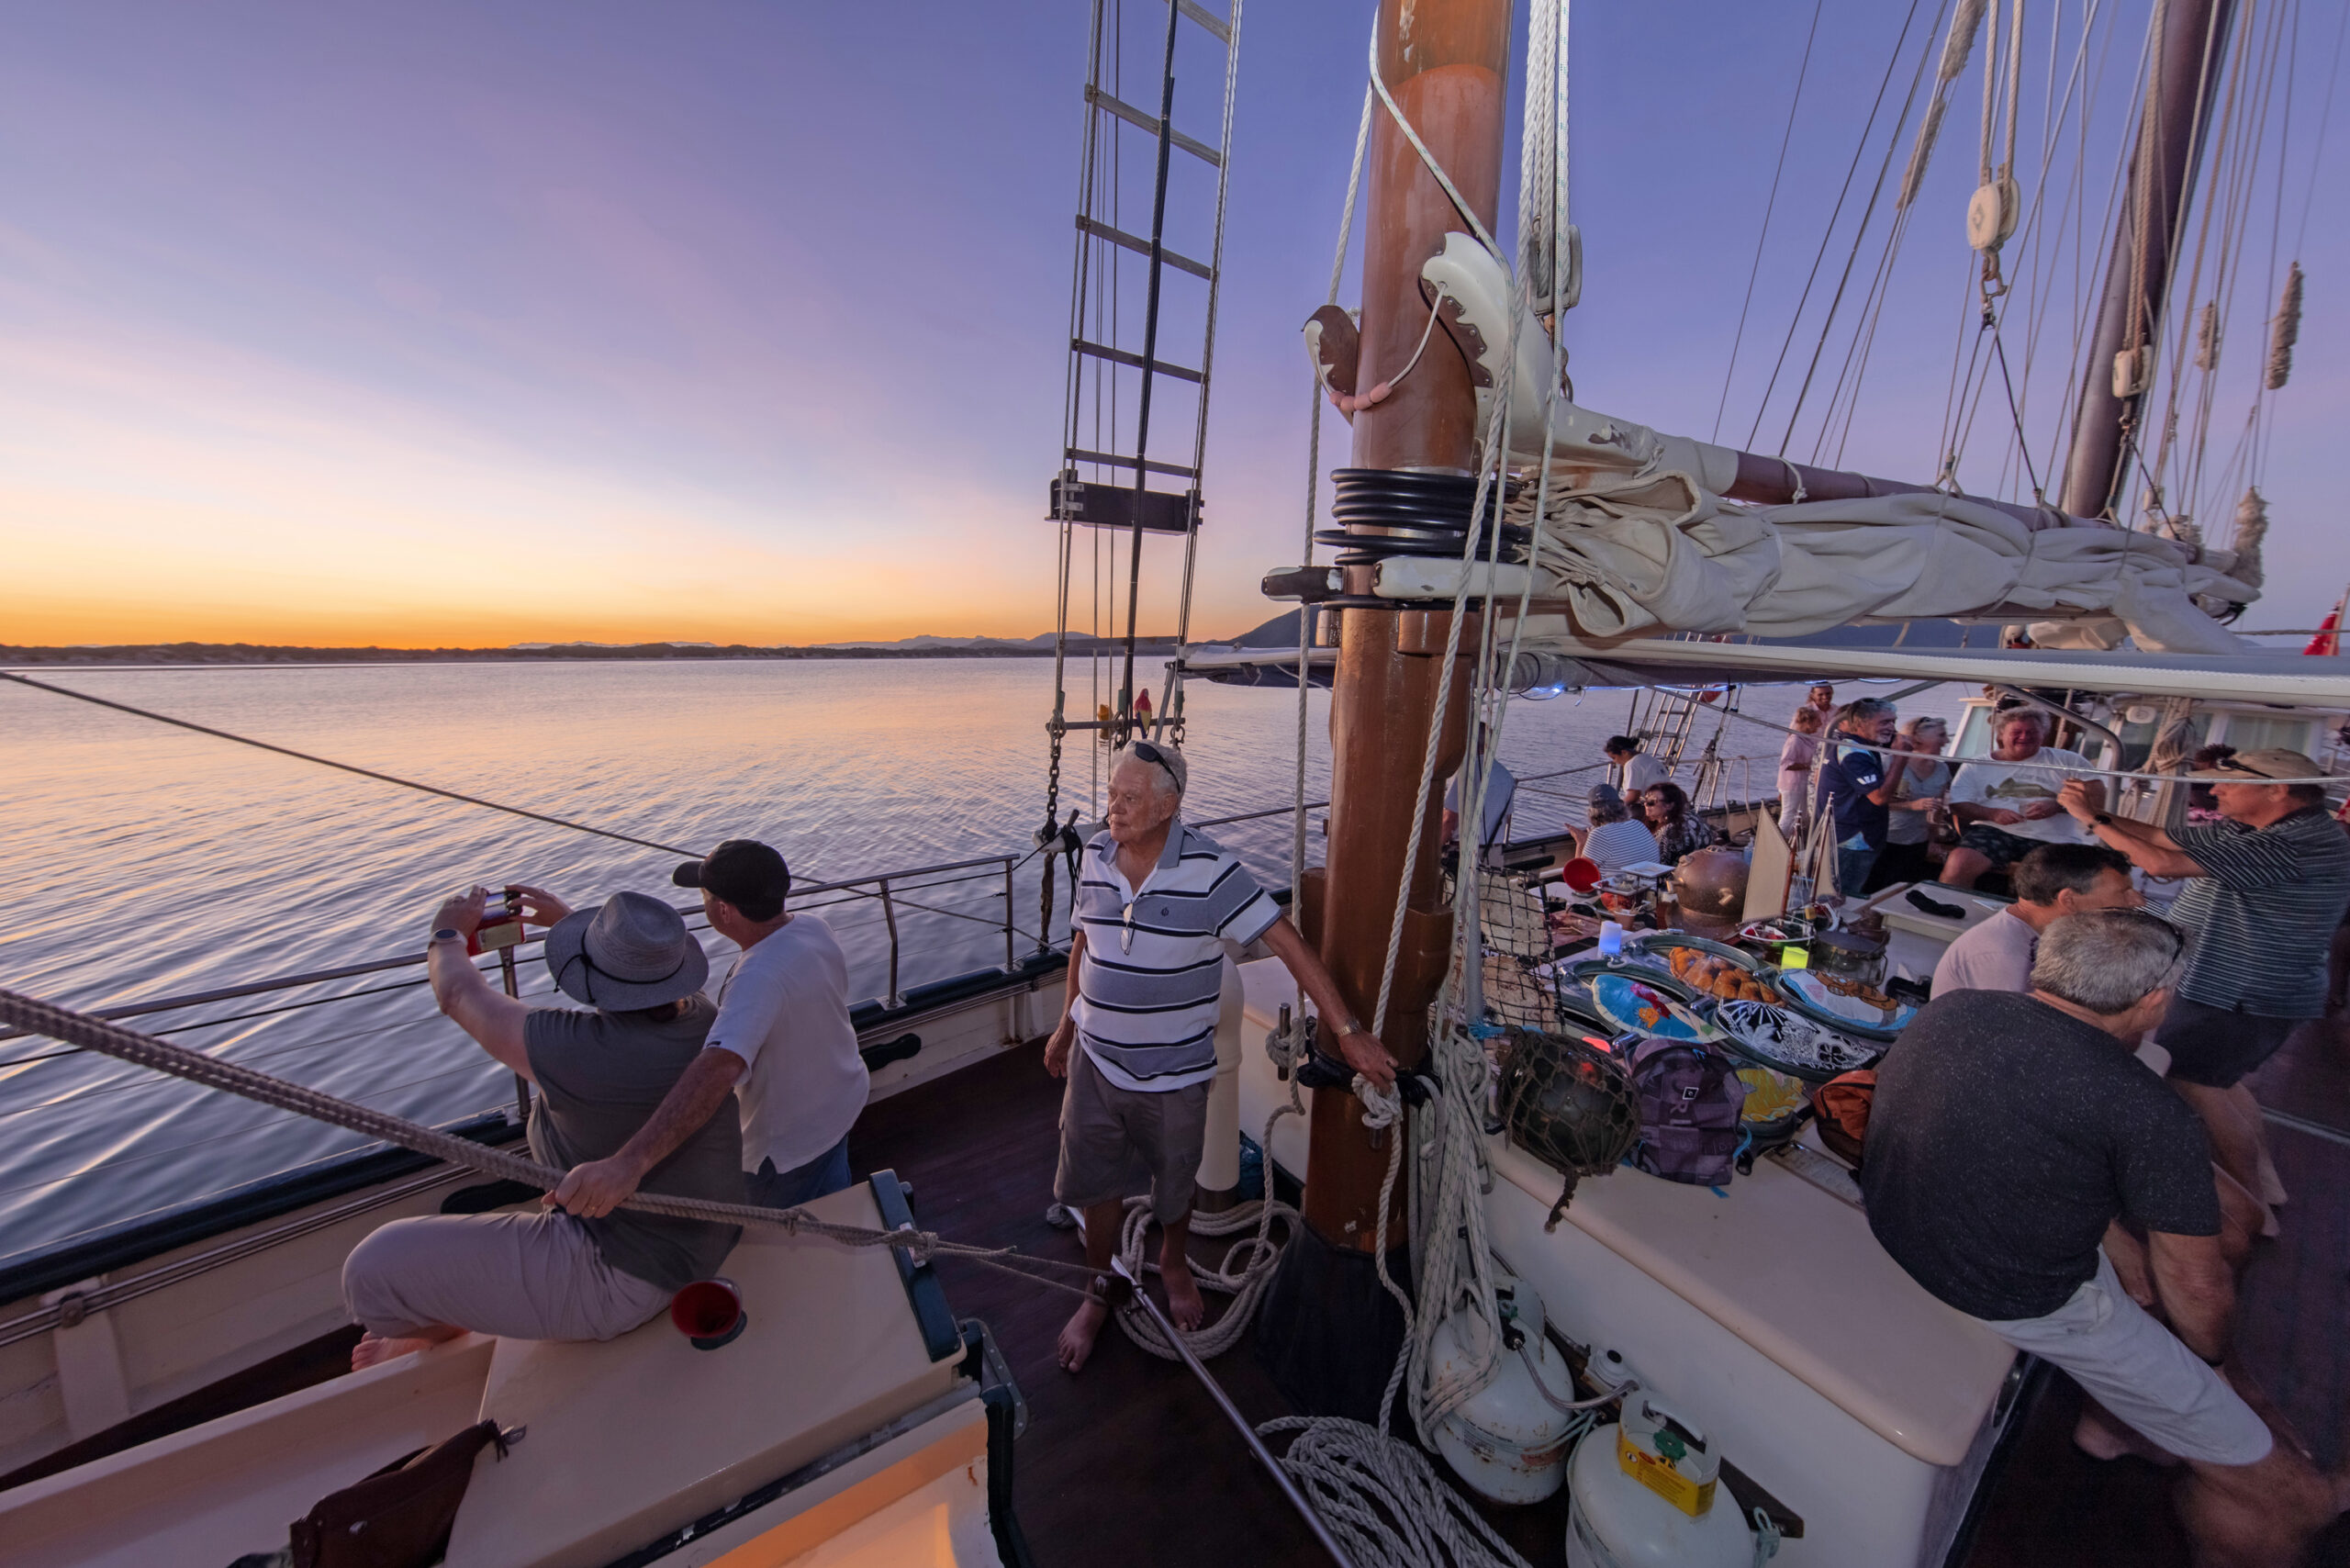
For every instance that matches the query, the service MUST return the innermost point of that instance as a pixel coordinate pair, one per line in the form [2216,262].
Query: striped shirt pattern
[2265,915]
[1147,1008]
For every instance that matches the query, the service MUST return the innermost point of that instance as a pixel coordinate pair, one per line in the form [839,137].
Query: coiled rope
[36,1016]
[1245,1275]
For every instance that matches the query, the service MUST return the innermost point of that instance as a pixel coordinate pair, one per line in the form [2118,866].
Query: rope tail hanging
[2287,331]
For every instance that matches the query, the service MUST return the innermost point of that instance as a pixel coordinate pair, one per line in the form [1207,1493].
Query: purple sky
[478,323]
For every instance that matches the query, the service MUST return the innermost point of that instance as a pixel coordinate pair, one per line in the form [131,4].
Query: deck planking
[1133,1451]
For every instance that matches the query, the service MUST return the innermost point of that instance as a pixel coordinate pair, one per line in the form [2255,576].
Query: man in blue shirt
[1855,783]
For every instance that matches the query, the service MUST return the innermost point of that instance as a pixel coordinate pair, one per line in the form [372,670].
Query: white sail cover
[1639,540]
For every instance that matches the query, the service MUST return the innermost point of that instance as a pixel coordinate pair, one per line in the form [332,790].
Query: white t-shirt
[785,1010]
[2012,786]
[1992,955]
[1643,772]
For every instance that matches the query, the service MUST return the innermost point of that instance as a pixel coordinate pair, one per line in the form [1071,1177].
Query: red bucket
[709,1313]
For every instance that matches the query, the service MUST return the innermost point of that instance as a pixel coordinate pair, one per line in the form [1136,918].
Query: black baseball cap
[747,874]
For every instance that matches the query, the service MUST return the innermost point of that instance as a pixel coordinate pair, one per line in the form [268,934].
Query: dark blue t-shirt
[1846,774]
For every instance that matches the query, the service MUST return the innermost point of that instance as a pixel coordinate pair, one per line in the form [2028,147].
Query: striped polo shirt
[2265,912]
[1152,976]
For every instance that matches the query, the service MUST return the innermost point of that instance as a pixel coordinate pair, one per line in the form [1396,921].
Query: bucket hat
[633,952]
[2255,766]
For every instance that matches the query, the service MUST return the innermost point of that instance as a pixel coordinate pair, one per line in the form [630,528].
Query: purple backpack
[1691,1099]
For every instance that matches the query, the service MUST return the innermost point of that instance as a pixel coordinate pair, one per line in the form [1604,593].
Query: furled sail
[1640,538]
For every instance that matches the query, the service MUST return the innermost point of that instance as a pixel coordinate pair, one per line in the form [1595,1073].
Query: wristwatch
[2103,819]
[448,933]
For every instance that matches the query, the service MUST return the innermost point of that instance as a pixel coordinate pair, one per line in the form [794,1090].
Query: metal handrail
[886,886]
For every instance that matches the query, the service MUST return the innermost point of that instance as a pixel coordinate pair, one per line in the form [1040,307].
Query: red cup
[1582,873]
[709,1313]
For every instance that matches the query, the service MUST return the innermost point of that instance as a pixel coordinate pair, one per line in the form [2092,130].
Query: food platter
[1813,994]
[1786,1041]
[1638,999]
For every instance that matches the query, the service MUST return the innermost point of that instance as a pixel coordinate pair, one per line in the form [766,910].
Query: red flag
[2328,639]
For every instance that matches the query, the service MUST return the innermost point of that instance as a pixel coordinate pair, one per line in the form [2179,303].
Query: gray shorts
[1114,1140]
[2140,1370]
[518,1276]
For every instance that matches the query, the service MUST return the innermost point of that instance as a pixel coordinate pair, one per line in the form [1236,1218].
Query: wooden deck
[1133,1451]
[1131,1458]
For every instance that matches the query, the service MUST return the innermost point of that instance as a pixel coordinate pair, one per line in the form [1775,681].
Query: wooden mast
[2171,123]
[1444,62]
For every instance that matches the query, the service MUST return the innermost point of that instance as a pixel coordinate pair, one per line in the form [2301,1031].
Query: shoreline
[170,655]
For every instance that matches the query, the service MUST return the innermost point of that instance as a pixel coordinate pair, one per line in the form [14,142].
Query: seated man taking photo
[554,1275]
[2010,1135]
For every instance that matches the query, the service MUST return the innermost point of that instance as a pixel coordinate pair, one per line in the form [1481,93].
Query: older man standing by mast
[1157,902]
[2271,881]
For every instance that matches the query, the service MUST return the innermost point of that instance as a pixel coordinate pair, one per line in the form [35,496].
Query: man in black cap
[556,1275]
[782,1040]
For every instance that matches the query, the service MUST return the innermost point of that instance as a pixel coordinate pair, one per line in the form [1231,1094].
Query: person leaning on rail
[1157,902]
[782,1040]
[2011,1136]
[2006,803]
[553,1275]
[1855,784]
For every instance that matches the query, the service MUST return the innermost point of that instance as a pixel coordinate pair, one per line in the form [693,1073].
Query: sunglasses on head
[1149,753]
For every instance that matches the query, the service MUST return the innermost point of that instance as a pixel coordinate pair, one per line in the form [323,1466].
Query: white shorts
[2141,1372]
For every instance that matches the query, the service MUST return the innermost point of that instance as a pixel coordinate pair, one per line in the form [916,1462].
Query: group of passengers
[2025,1163]
[655,1087]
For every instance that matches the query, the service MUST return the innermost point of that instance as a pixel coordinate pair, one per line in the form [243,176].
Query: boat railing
[894,891]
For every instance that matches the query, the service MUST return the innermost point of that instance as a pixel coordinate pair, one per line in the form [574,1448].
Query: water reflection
[146,862]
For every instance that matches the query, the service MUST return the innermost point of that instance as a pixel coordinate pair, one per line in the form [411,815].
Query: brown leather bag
[401,1515]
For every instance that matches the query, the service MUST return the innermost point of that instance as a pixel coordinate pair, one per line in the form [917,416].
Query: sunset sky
[441,323]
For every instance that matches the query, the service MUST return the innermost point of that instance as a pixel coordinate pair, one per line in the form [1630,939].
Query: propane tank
[1507,1442]
[1645,1495]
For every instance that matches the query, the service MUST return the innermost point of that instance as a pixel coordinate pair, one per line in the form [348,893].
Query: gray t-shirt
[600,1077]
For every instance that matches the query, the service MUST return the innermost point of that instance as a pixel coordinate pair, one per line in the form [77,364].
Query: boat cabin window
[2252,732]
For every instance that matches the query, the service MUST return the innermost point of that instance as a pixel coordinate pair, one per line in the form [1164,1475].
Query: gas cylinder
[1632,1488]
[1507,1441]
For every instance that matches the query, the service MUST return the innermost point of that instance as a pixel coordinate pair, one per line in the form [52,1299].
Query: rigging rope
[351,767]
[1770,206]
[36,1016]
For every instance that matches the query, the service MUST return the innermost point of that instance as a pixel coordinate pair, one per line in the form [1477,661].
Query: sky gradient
[472,324]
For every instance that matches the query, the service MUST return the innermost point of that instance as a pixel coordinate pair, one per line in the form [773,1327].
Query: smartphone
[501,923]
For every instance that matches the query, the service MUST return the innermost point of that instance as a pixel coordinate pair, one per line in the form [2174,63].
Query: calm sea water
[145,862]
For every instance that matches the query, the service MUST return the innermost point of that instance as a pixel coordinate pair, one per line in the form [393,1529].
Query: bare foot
[1184,1305]
[1078,1333]
[374,1349]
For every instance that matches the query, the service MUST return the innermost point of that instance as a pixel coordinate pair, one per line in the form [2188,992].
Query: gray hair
[2107,960]
[1162,777]
[1863,711]
[1605,805]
